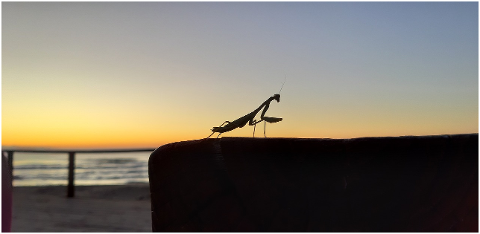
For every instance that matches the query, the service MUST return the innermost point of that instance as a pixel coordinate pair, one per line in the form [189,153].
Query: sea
[45,169]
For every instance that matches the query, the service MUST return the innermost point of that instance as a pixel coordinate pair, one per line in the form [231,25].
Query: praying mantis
[249,118]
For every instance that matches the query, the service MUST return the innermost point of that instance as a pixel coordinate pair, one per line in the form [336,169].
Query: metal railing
[71,160]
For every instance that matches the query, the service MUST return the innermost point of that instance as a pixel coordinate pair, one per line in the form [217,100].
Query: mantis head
[276,97]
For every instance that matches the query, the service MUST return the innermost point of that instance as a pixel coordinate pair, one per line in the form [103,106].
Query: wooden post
[10,164]
[7,191]
[71,174]
[9,155]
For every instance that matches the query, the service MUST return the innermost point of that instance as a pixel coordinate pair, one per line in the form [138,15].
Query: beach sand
[109,208]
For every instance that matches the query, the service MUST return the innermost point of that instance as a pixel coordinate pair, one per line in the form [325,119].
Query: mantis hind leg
[226,122]
[210,135]
[213,133]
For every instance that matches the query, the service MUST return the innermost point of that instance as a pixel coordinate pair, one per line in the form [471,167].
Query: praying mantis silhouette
[249,118]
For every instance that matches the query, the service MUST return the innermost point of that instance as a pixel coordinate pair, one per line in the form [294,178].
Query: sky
[126,74]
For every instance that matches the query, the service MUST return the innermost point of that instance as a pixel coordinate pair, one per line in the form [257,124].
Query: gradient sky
[144,74]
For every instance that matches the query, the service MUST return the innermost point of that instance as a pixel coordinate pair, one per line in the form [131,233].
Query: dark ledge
[400,184]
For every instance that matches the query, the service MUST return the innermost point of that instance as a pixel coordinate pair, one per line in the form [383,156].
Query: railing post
[10,164]
[71,174]
[7,194]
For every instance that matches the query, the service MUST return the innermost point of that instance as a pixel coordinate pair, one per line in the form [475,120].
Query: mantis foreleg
[264,128]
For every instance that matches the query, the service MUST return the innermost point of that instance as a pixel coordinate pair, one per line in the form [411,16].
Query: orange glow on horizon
[88,139]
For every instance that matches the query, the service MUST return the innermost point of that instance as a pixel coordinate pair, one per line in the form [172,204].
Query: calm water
[39,169]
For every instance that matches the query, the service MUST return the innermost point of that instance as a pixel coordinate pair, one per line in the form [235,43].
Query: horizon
[93,75]
[86,150]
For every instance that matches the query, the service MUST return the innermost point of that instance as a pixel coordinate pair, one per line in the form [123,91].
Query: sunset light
[116,75]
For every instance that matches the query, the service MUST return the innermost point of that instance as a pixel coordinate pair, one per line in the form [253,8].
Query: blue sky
[160,72]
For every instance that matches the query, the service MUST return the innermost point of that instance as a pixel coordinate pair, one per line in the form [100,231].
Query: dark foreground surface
[427,183]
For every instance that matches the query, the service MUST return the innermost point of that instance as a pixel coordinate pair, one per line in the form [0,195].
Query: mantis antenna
[283,84]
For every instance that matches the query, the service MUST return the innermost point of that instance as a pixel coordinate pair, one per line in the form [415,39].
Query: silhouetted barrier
[71,160]
[426,183]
